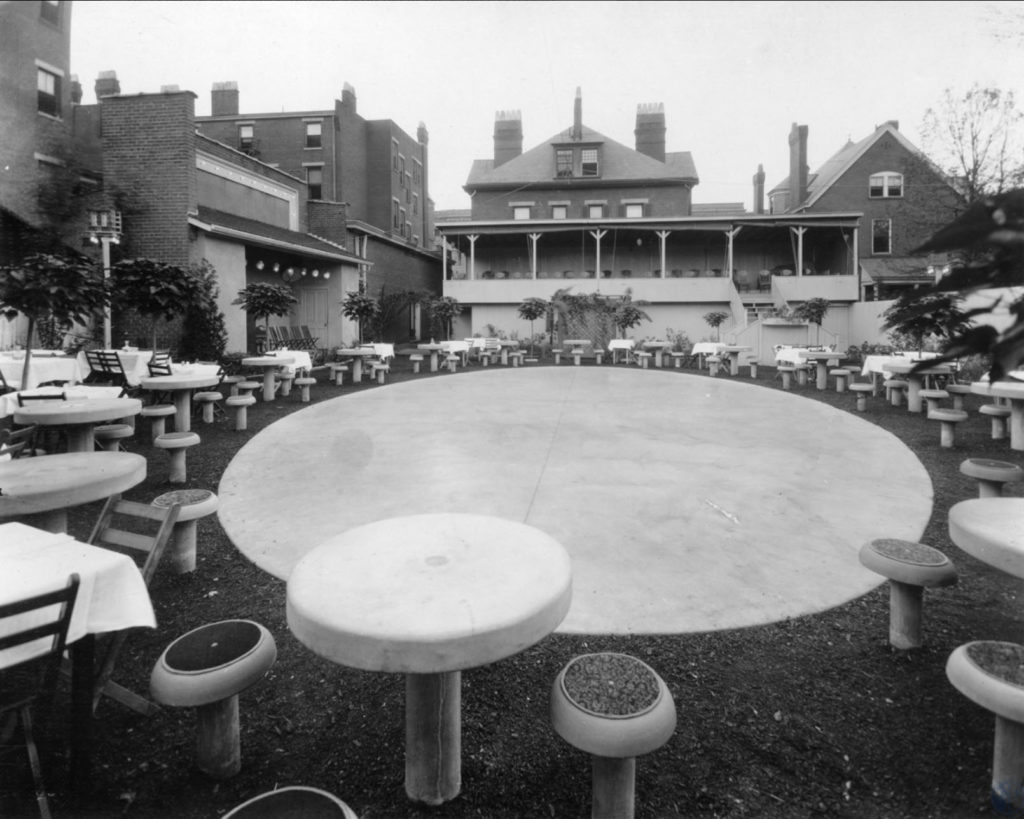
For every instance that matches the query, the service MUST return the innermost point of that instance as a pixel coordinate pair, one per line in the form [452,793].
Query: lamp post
[105,230]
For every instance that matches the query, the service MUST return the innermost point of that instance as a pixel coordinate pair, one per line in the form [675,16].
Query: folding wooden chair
[34,631]
[118,528]
[96,372]
[6,386]
[113,371]
[160,363]
[17,443]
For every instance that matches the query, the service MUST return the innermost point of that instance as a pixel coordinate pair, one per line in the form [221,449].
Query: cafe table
[429,596]
[180,385]
[268,363]
[46,486]
[659,348]
[112,596]
[991,530]
[915,380]
[505,345]
[357,354]
[45,366]
[624,344]
[1012,391]
[733,351]
[705,348]
[821,359]
[79,416]
[577,346]
[9,402]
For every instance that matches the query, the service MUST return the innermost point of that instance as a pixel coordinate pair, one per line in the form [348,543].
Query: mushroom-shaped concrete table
[915,379]
[1013,391]
[991,674]
[615,708]
[180,386]
[992,530]
[268,363]
[207,669]
[910,567]
[733,351]
[428,596]
[821,360]
[48,485]
[80,416]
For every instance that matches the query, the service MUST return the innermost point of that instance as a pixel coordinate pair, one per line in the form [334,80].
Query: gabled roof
[260,233]
[835,166]
[618,164]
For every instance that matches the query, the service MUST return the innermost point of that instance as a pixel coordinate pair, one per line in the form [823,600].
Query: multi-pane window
[595,211]
[395,223]
[634,211]
[49,10]
[559,212]
[394,154]
[417,173]
[521,213]
[415,204]
[245,138]
[563,163]
[588,162]
[315,181]
[314,134]
[885,185]
[881,236]
[48,86]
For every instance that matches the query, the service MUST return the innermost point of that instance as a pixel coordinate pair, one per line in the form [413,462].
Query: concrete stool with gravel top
[195,504]
[304,383]
[862,389]
[207,400]
[991,475]
[296,801]
[895,389]
[207,669]
[958,391]
[158,415]
[842,376]
[177,444]
[284,382]
[240,404]
[990,673]
[614,707]
[999,415]
[787,376]
[417,361]
[338,371]
[109,436]
[910,568]
[932,399]
[948,418]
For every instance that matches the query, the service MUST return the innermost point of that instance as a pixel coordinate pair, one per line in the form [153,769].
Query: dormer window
[563,163]
[886,185]
[588,162]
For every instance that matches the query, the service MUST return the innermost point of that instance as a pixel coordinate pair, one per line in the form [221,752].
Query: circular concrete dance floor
[686,503]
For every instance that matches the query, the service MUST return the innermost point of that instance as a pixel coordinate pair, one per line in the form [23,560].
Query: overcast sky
[733,76]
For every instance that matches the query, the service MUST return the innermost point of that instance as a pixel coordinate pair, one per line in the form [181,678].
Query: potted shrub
[362,309]
[154,289]
[715,319]
[532,309]
[261,301]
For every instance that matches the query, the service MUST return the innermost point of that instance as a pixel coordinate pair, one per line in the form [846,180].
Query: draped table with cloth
[80,392]
[45,366]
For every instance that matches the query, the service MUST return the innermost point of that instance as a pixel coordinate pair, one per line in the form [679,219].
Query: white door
[312,312]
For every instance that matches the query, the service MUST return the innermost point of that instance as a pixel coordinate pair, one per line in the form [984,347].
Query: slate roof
[619,163]
[273,235]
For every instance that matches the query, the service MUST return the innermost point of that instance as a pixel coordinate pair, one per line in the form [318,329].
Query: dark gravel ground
[809,717]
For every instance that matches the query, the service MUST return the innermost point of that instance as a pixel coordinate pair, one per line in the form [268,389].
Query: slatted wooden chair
[97,374]
[18,443]
[8,386]
[37,625]
[122,526]
[113,371]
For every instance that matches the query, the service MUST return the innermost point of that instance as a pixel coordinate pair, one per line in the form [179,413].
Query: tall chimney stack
[508,136]
[348,98]
[577,115]
[759,190]
[107,85]
[798,170]
[224,99]
[650,130]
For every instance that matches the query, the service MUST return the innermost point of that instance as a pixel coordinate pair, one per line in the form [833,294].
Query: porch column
[472,255]
[598,235]
[534,238]
[856,253]
[663,238]
[444,259]
[729,258]
[799,231]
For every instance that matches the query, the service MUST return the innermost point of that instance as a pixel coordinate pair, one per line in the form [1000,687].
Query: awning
[902,270]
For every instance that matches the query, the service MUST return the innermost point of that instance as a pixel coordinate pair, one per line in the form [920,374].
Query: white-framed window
[885,185]
[633,210]
[521,213]
[415,204]
[559,212]
[395,220]
[595,211]
[588,162]
[563,162]
[315,181]
[314,134]
[881,236]
[48,87]
[245,138]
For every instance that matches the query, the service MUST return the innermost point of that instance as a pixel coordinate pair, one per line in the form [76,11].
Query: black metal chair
[35,631]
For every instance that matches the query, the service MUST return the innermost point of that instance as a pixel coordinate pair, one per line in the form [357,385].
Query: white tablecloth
[9,402]
[707,347]
[135,364]
[300,359]
[112,594]
[43,368]
[876,363]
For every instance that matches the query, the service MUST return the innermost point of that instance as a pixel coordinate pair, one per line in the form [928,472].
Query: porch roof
[253,232]
[898,270]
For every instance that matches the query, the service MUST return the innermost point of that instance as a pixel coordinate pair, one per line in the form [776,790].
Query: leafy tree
[262,300]
[991,235]
[531,309]
[715,319]
[205,335]
[45,286]
[918,317]
[392,306]
[363,309]
[813,310]
[154,289]
[977,138]
[627,314]
[442,310]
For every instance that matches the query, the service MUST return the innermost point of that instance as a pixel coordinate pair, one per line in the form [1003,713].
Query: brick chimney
[224,99]
[577,115]
[76,90]
[798,170]
[759,190]
[107,85]
[508,136]
[889,123]
[348,98]
[650,130]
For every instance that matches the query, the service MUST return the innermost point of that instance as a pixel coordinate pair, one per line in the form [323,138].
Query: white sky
[733,76]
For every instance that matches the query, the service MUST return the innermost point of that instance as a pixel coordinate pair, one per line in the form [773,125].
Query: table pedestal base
[433,737]
[55,521]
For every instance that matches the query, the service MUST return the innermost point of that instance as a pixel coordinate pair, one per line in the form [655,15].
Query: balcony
[513,291]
